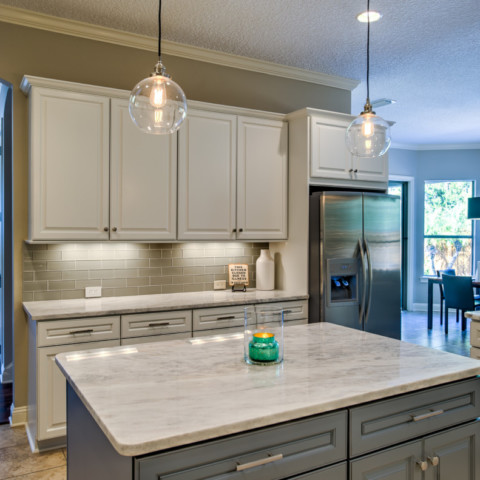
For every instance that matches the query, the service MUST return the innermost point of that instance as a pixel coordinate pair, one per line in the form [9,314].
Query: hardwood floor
[17,462]
[414,330]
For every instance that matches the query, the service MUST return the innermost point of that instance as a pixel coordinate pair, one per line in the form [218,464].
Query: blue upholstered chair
[448,271]
[458,292]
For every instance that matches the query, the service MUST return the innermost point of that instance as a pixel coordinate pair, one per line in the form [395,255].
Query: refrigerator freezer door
[382,245]
[340,232]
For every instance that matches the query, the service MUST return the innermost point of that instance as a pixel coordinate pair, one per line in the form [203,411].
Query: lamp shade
[473,207]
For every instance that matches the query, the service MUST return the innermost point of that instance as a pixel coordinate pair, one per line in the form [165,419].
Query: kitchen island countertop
[150,397]
[91,307]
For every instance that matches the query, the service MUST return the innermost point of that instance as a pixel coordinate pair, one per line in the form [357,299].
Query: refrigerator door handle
[370,281]
[364,274]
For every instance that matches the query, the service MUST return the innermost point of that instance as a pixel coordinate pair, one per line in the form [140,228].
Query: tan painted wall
[45,54]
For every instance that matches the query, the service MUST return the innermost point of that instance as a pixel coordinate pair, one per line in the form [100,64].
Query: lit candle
[263,347]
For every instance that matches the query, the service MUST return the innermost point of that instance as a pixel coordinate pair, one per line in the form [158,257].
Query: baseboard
[18,416]
[423,307]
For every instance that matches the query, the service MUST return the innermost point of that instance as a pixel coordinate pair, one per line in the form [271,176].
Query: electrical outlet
[93,292]
[219,284]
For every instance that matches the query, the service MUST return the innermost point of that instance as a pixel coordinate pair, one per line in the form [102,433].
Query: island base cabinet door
[454,455]
[51,385]
[399,463]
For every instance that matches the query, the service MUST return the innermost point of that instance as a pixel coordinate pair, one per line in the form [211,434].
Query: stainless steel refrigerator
[354,257]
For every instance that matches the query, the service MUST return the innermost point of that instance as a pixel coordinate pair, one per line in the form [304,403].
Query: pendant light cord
[160,29]
[368,51]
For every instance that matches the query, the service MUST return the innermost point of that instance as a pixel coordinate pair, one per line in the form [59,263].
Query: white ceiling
[424,54]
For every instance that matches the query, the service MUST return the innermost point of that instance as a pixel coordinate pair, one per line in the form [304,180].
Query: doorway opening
[403,188]
[6,239]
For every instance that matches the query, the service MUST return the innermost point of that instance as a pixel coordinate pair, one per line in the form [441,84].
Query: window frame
[453,237]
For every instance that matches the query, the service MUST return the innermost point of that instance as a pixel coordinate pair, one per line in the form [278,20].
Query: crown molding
[436,146]
[29,18]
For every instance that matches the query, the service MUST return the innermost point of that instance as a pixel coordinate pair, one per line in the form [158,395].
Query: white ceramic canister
[265,268]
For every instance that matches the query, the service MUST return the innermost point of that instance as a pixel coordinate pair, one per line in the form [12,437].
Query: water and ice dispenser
[342,281]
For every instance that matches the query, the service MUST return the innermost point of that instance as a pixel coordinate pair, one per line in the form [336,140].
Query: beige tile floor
[18,462]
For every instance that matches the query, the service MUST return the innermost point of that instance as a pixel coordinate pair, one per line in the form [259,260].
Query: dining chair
[458,292]
[447,271]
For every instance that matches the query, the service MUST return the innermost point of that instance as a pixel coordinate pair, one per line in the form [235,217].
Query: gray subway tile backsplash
[62,271]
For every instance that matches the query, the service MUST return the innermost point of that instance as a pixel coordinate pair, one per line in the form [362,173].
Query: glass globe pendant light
[157,104]
[368,135]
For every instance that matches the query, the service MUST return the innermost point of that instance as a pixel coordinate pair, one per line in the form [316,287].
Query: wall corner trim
[65,26]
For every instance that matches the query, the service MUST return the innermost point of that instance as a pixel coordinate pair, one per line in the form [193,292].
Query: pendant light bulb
[368,135]
[157,104]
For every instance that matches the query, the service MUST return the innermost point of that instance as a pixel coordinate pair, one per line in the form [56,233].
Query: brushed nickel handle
[105,229]
[158,324]
[114,229]
[87,330]
[257,463]
[422,464]
[418,418]
[229,317]
[434,460]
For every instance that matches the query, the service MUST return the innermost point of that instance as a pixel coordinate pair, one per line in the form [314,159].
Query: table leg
[430,303]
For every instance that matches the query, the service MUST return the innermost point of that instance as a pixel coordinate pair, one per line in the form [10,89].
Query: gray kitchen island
[344,404]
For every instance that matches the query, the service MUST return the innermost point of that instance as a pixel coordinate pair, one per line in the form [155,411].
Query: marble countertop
[473,315]
[91,307]
[154,396]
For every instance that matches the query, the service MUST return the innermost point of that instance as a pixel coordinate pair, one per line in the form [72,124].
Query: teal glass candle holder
[263,337]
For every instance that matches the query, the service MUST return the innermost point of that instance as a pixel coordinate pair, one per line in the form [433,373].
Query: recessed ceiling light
[369,16]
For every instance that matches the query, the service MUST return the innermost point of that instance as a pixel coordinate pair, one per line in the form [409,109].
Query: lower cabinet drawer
[388,422]
[270,453]
[155,338]
[219,331]
[219,317]
[475,333]
[336,472]
[76,330]
[156,323]
[292,311]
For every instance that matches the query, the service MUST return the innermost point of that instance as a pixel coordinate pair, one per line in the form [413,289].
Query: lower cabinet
[450,455]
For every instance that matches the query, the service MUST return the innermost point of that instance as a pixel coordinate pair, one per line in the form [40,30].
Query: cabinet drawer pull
[87,330]
[417,418]
[159,324]
[257,463]
[228,317]
[423,465]
[287,311]
[434,460]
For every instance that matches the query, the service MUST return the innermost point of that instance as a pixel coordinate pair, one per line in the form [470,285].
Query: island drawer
[388,422]
[76,330]
[269,453]
[157,323]
[292,311]
[219,317]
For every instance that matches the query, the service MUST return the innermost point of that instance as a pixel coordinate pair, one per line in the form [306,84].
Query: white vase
[265,271]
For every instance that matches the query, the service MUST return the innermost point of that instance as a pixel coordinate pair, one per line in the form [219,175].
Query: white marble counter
[159,395]
[473,315]
[91,307]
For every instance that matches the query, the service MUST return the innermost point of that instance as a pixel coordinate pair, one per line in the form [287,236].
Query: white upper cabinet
[69,165]
[143,179]
[262,179]
[232,177]
[322,140]
[207,148]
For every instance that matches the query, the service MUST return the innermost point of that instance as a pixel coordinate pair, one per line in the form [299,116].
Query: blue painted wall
[426,165]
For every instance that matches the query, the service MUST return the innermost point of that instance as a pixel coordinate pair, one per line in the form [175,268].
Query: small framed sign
[238,276]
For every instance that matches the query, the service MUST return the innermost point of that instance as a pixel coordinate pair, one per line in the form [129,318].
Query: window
[448,234]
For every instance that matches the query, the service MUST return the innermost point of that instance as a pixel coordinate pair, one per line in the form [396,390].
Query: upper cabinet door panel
[329,156]
[262,179]
[143,172]
[69,157]
[206,176]
[371,169]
